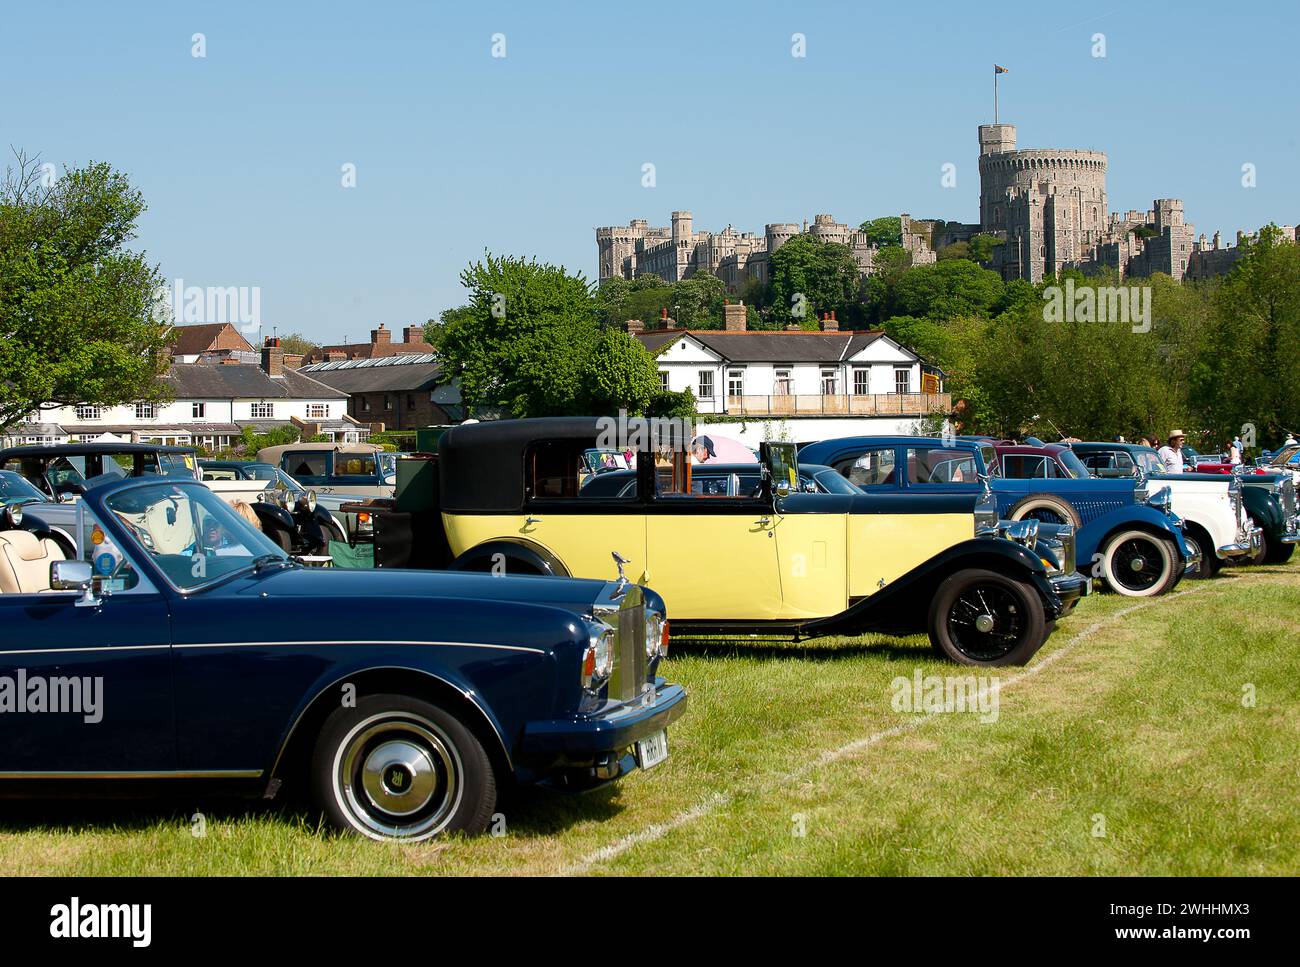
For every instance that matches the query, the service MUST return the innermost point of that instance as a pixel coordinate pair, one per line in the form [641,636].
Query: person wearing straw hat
[1171,454]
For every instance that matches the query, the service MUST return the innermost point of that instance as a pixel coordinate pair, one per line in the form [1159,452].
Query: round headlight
[598,657]
[656,635]
[307,501]
[14,514]
[1162,499]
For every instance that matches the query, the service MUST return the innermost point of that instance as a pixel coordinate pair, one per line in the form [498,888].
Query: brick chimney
[335,356]
[413,334]
[292,360]
[634,326]
[273,358]
[733,317]
[829,323]
[380,335]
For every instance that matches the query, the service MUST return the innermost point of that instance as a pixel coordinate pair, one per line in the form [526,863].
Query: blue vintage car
[1124,536]
[182,644]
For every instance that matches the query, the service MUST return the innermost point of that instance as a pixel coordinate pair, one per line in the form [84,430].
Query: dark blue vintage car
[182,644]
[1129,539]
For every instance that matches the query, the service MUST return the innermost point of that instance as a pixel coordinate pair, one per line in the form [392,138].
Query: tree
[617,374]
[698,301]
[810,277]
[520,341]
[946,290]
[78,310]
[883,231]
[296,342]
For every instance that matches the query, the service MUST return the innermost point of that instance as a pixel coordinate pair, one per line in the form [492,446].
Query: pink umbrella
[708,448]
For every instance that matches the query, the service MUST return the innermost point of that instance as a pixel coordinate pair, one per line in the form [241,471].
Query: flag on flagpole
[999,70]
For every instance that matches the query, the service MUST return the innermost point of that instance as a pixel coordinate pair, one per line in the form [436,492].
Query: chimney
[666,321]
[413,334]
[733,317]
[273,358]
[335,356]
[380,335]
[634,326]
[292,360]
[829,323]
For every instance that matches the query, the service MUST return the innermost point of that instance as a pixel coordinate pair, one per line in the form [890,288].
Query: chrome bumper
[1071,587]
[1291,535]
[1193,562]
[1247,543]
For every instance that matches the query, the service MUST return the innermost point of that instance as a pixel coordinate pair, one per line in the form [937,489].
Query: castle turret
[997,138]
[681,227]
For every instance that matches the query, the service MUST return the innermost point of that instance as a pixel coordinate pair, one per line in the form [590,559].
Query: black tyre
[1279,553]
[981,617]
[1198,540]
[1046,508]
[397,768]
[282,539]
[1139,564]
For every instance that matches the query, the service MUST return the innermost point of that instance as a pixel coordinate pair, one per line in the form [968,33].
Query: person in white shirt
[1171,454]
[1235,451]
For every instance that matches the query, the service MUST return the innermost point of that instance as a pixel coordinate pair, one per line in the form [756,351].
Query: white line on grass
[715,801]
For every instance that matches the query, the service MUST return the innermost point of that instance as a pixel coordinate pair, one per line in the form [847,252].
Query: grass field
[1147,737]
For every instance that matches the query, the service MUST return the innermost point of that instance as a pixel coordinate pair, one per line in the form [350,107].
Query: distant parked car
[405,701]
[357,469]
[1129,536]
[286,492]
[1213,508]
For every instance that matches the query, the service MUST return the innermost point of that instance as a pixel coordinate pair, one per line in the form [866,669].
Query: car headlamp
[307,502]
[1161,500]
[598,658]
[656,635]
[13,514]
[1023,532]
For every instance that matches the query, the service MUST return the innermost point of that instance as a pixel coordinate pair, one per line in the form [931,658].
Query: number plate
[652,750]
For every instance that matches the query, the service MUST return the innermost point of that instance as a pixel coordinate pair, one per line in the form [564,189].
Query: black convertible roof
[481,465]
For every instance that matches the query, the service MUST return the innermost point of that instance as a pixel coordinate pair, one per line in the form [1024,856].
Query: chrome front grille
[1288,497]
[630,662]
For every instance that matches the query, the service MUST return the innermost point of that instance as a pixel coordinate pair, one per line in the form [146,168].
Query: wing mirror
[74,576]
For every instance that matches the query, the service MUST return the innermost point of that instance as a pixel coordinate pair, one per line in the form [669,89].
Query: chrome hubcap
[984,623]
[399,777]
[1138,563]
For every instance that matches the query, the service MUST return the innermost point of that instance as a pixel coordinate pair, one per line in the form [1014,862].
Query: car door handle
[764,521]
[530,521]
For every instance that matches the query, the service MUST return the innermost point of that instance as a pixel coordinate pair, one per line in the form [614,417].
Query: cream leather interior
[25,562]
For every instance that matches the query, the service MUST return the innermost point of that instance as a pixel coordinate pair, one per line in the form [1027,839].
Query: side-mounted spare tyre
[981,617]
[1047,508]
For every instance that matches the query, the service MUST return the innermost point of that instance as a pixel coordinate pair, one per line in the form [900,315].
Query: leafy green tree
[945,290]
[296,342]
[697,301]
[617,374]
[817,277]
[78,310]
[520,341]
[883,231]
[671,403]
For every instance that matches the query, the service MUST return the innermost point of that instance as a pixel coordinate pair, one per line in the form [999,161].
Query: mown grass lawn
[1154,737]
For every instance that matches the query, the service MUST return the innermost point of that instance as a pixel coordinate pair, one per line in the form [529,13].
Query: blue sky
[239,154]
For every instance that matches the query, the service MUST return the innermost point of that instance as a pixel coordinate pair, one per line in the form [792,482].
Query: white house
[849,382]
[210,405]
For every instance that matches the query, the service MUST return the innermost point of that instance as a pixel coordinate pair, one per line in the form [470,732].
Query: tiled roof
[242,382]
[760,346]
[192,340]
[388,374]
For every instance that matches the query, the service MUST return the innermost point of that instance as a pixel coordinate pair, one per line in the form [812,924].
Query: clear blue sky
[239,153]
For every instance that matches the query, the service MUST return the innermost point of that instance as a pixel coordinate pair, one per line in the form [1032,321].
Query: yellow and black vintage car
[526,496]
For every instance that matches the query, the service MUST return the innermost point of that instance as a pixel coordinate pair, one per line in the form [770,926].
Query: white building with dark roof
[212,403]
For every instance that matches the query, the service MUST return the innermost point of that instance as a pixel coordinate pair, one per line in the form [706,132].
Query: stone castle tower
[1048,203]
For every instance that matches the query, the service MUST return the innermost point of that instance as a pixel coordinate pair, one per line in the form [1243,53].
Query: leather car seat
[25,562]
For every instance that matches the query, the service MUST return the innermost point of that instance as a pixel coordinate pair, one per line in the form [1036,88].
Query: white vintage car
[1214,516]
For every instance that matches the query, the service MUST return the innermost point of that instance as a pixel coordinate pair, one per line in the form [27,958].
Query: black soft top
[481,465]
[86,449]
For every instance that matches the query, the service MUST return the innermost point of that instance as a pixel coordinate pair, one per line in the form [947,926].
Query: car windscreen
[1070,460]
[833,483]
[15,489]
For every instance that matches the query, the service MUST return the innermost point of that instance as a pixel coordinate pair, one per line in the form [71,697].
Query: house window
[318,411]
[663,381]
[861,382]
[781,382]
[903,380]
[830,382]
[388,402]
[736,382]
[706,384]
[263,411]
[365,403]
[410,401]
[198,410]
[145,411]
[88,413]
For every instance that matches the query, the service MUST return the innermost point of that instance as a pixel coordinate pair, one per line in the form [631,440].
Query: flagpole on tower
[997,69]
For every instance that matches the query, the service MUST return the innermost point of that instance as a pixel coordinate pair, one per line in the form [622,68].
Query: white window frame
[736,382]
[906,382]
[705,376]
[146,411]
[318,411]
[862,381]
[86,411]
[782,385]
[262,411]
[830,377]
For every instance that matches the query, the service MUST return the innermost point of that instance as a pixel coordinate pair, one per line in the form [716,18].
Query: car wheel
[1279,553]
[1047,509]
[396,768]
[282,540]
[981,617]
[1138,564]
